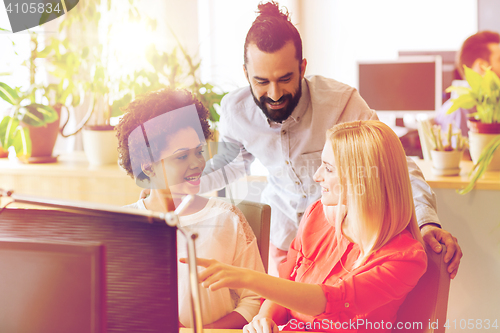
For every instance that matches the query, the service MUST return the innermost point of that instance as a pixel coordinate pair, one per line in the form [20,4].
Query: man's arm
[231,163]
[232,160]
[430,227]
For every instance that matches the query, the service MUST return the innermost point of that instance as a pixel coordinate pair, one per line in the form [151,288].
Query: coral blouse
[358,300]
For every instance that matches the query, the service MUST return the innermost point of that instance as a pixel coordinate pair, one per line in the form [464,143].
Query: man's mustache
[270,100]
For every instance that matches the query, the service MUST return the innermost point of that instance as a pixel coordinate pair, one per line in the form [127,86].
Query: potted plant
[31,126]
[484,122]
[107,91]
[446,155]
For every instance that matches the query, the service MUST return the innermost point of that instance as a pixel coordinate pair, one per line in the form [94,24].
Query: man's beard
[279,115]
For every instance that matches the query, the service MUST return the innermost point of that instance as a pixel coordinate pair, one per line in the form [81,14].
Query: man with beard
[282,118]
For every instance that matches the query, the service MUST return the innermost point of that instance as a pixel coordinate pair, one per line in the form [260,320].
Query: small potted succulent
[446,154]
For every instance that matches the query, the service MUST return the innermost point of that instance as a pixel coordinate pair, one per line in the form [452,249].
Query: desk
[71,178]
[489,181]
[474,219]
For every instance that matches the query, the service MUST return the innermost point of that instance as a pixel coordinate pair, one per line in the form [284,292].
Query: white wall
[337,33]
[222,31]
[359,30]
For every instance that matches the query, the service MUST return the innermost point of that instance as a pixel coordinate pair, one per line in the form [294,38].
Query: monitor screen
[52,286]
[449,69]
[401,86]
[141,260]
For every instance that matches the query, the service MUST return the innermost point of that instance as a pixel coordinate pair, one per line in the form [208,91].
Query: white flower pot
[446,163]
[477,141]
[100,147]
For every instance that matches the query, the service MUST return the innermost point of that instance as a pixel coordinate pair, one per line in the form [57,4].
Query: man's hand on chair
[434,236]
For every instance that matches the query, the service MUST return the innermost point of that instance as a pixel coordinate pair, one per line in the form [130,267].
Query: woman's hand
[261,325]
[301,297]
[217,275]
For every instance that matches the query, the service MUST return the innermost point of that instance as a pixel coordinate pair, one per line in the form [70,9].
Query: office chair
[258,216]
[427,303]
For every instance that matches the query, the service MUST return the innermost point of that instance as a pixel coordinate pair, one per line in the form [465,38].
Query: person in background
[161,140]
[358,251]
[478,52]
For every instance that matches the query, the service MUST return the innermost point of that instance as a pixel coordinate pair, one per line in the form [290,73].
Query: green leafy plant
[481,165]
[484,94]
[25,109]
[170,69]
[63,64]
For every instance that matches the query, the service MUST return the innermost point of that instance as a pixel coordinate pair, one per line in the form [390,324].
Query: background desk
[474,219]
[71,178]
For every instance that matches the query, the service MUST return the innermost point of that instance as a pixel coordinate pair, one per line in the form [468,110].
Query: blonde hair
[374,184]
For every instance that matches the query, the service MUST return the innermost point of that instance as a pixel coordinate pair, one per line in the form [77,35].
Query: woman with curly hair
[161,138]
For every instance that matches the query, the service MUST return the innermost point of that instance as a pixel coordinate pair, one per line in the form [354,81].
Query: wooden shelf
[489,181]
[71,178]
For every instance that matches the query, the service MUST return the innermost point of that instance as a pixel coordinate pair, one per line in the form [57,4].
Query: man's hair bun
[270,9]
[272,29]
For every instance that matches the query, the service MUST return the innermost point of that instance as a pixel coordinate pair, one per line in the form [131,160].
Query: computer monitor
[449,67]
[402,86]
[52,286]
[141,260]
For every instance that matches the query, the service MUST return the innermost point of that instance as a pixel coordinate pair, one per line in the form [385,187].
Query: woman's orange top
[363,299]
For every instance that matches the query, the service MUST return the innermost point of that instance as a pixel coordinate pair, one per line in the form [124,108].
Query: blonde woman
[358,251]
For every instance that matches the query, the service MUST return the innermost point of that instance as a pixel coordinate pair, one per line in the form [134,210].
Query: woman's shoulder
[232,214]
[315,209]
[226,207]
[224,211]
[314,216]
[402,247]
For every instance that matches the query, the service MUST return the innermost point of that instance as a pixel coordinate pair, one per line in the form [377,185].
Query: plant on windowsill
[484,123]
[446,155]
[32,125]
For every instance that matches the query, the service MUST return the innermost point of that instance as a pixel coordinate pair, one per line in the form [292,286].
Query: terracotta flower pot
[43,140]
[3,153]
[476,126]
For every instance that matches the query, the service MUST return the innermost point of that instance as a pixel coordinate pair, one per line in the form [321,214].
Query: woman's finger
[199,261]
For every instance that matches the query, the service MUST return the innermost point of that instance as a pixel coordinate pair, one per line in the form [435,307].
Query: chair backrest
[424,309]
[424,125]
[258,216]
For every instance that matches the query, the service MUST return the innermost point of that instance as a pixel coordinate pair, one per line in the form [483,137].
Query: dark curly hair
[271,30]
[147,107]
